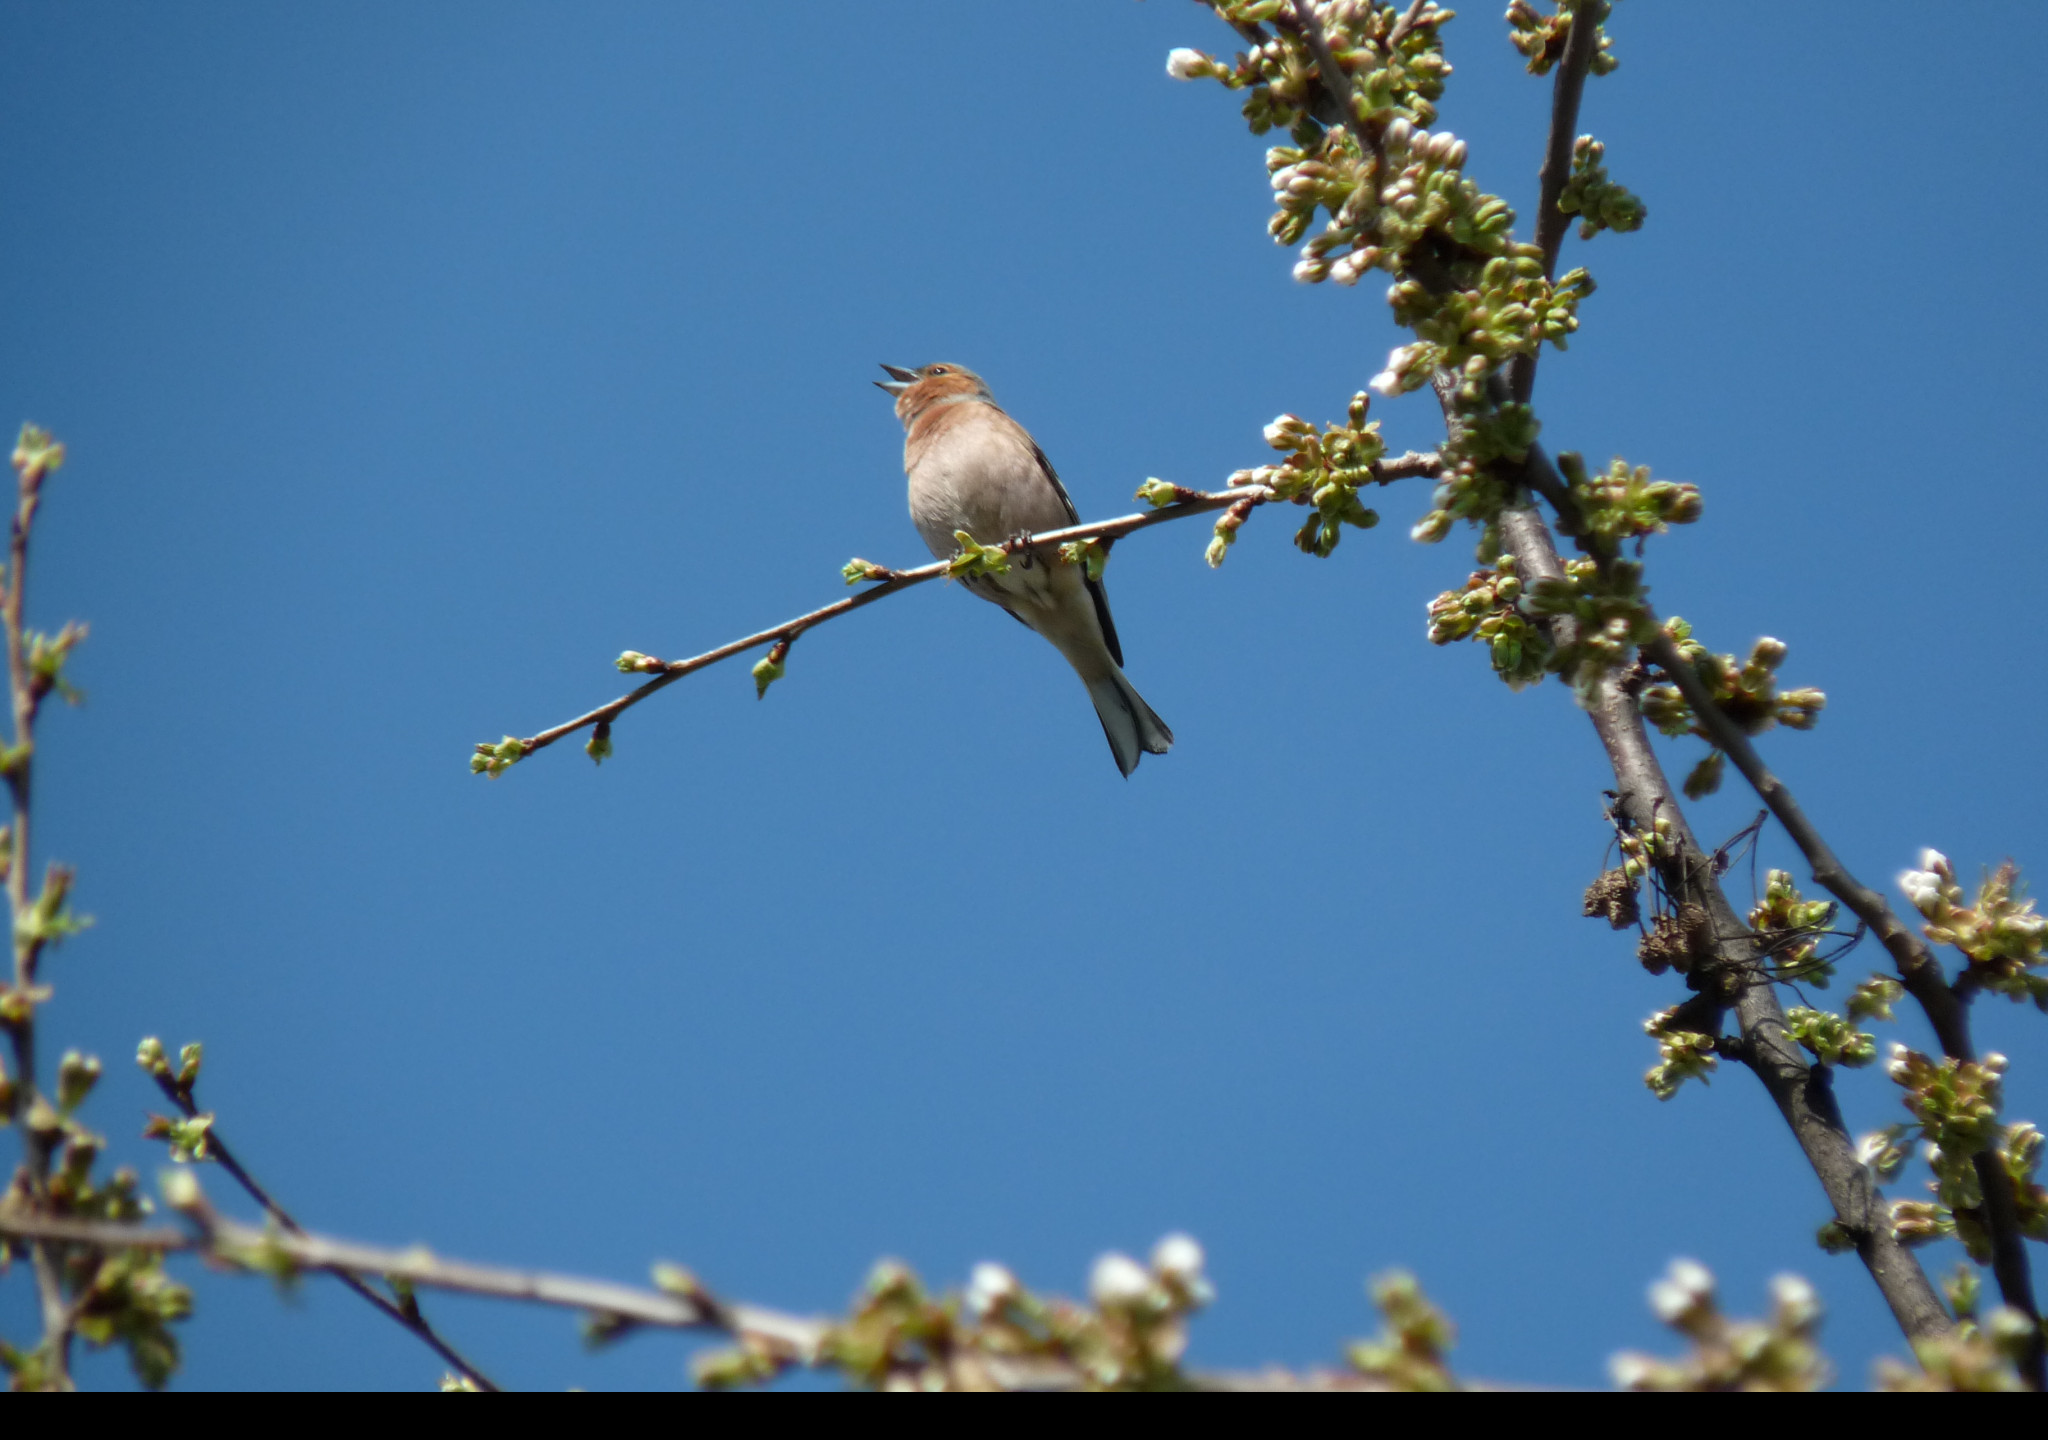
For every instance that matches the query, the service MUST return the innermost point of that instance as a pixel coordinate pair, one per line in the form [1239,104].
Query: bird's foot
[1020,549]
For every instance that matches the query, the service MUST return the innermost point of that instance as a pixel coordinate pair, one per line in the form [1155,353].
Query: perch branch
[1186,503]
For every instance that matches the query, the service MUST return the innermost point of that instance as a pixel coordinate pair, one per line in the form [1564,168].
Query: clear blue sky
[416,360]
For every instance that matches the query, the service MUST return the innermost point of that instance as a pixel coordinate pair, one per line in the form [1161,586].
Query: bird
[972,468]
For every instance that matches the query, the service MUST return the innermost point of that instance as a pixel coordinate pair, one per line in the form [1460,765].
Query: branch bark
[1580,46]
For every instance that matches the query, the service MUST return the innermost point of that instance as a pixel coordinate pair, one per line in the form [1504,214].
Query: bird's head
[928,385]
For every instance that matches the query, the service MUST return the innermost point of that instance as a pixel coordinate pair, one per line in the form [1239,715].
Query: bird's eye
[938,370]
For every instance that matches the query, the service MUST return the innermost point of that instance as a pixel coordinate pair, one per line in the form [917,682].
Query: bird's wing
[1095,591]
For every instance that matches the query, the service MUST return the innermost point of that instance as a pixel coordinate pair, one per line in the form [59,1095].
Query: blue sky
[417,360]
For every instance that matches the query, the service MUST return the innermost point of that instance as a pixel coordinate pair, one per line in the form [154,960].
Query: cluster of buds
[1775,1354]
[1789,925]
[1488,609]
[1092,555]
[1509,309]
[973,560]
[1747,693]
[1874,998]
[1954,1104]
[997,1335]
[1541,38]
[1611,615]
[116,1296]
[1599,203]
[495,760]
[1324,468]
[1468,487]
[1999,931]
[1409,1353]
[1982,1353]
[1388,72]
[1623,503]
[1831,1039]
[1980,1356]
[1683,1054]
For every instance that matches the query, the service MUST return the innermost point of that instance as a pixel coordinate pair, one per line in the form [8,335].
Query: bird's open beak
[899,381]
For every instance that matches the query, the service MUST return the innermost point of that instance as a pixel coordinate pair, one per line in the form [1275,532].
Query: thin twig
[408,1316]
[1580,46]
[1187,503]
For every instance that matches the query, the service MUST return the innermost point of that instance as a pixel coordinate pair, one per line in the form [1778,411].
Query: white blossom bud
[1628,1369]
[1398,133]
[1309,270]
[1685,1286]
[1934,860]
[1769,652]
[1185,64]
[1118,1280]
[1795,1301]
[988,1286]
[1180,1257]
[1923,888]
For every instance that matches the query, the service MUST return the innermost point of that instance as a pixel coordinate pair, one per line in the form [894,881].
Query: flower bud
[989,1287]
[1179,1257]
[1185,64]
[1118,1281]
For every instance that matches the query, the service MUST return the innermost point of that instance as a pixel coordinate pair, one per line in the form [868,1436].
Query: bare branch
[1185,504]
[1580,46]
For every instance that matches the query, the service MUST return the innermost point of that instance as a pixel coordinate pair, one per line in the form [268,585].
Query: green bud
[770,668]
[76,1075]
[150,1056]
[599,747]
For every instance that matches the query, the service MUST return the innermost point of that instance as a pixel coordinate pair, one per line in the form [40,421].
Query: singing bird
[973,468]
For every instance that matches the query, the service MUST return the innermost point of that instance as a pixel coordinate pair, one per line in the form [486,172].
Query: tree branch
[1919,972]
[38,1138]
[789,1339]
[406,1314]
[1185,504]
[1645,795]
[1580,46]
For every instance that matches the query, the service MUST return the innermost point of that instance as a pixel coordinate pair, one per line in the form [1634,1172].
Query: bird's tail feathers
[1131,725]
